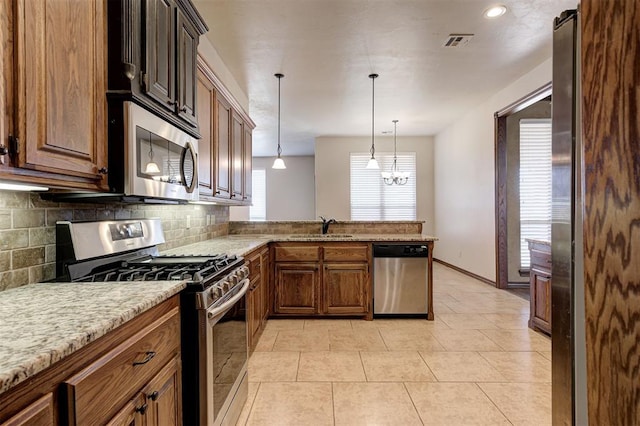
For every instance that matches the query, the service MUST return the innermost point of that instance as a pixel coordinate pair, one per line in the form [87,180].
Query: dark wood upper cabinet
[159,67]
[237,136]
[153,48]
[248,163]
[187,52]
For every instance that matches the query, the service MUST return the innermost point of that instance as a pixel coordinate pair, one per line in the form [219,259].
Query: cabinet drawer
[97,392]
[253,262]
[297,253]
[346,253]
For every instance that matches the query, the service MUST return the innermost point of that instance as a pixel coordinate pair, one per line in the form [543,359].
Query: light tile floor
[476,364]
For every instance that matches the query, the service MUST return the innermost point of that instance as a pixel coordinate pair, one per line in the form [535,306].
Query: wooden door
[237,177]
[7,76]
[345,288]
[222,134]
[61,86]
[248,167]
[296,288]
[164,396]
[205,112]
[159,52]
[187,54]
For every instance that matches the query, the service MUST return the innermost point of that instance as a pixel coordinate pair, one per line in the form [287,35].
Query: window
[258,211]
[372,199]
[535,183]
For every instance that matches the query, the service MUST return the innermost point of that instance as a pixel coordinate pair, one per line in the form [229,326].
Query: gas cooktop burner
[195,269]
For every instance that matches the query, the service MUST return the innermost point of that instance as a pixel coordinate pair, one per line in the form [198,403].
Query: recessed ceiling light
[495,11]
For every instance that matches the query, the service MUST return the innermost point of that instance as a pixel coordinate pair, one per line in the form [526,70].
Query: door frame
[500,148]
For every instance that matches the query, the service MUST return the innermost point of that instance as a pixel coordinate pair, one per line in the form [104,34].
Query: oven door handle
[216,313]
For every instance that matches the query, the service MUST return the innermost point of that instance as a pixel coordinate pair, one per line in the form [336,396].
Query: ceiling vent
[457,40]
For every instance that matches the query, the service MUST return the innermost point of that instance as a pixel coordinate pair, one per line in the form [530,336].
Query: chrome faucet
[326,223]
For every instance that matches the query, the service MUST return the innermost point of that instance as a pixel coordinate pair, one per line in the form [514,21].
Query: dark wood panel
[205,110]
[237,135]
[187,53]
[164,396]
[159,67]
[346,253]
[611,137]
[247,153]
[222,135]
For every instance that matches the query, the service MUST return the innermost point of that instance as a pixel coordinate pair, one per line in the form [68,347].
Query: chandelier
[395,177]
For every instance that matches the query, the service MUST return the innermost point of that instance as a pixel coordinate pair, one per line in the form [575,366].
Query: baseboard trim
[464,271]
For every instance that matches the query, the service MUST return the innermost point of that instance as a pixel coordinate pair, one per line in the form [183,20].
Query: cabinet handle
[142,409]
[103,171]
[153,395]
[183,109]
[148,357]
[217,192]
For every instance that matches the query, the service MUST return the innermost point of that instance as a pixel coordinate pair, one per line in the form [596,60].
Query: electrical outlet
[188,221]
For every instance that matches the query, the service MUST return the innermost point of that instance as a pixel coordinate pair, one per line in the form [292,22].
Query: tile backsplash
[315,227]
[27,230]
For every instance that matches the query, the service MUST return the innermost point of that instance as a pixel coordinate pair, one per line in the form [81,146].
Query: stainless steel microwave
[161,161]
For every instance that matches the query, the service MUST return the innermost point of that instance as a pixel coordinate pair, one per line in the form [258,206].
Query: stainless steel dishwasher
[400,279]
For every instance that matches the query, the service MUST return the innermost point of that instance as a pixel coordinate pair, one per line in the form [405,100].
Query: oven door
[223,372]
[162,160]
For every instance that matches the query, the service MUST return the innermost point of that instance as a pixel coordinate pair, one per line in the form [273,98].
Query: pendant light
[373,163]
[279,162]
[395,177]
[151,168]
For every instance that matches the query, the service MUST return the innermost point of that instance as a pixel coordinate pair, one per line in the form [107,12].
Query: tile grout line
[493,402]
[404,385]
[333,403]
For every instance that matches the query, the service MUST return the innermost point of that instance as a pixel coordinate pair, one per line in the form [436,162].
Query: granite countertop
[242,244]
[40,324]
[534,240]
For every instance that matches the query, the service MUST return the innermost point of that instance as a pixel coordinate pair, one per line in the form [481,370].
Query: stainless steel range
[213,316]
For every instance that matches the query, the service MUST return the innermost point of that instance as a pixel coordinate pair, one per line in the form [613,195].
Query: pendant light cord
[279,77]
[373,110]
[395,125]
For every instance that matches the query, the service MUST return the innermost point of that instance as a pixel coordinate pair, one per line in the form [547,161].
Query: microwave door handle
[214,314]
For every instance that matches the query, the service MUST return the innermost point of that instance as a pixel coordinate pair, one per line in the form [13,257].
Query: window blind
[372,199]
[535,183]
[258,209]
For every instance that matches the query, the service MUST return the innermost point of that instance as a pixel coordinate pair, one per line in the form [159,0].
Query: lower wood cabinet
[39,413]
[158,404]
[540,286]
[322,279]
[345,288]
[296,288]
[258,296]
[129,376]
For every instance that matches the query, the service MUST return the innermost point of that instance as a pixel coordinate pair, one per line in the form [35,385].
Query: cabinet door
[39,413]
[159,50]
[187,53]
[132,414]
[222,148]
[61,86]
[164,394]
[296,288]
[237,178]
[6,80]
[345,288]
[540,299]
[248,167]
[205,110]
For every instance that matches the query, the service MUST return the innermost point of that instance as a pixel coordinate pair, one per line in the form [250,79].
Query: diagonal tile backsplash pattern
[27,230]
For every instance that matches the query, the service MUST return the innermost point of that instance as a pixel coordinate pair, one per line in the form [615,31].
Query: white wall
[290,192]
[333,173]
[210,54]
[465,180]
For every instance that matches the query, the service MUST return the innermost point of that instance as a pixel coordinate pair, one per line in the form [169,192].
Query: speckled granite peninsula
[40,324]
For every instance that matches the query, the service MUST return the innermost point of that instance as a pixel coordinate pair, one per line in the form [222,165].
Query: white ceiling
[327,48]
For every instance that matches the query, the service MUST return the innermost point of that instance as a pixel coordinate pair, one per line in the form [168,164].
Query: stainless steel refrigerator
[569,399]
